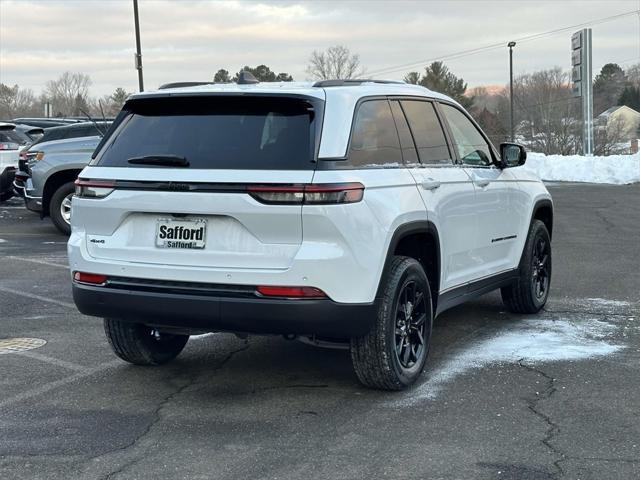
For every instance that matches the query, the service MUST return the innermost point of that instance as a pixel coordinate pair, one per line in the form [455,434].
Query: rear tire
[393,354]
[4,196]
[529,293]
[60,207]
[142,345]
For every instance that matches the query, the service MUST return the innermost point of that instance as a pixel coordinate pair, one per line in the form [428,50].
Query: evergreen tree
[630,97]
[438,78]
[607,87]
[222,76]
[264,74]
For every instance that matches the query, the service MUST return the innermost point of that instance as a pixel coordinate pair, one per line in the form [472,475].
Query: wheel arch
[543,211]
[419,240]
[54,182]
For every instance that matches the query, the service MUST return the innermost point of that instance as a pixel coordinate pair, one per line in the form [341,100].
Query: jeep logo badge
[178,187]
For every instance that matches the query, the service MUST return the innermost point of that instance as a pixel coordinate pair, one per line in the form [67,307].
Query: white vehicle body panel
[9,159]
[340,249]
[450,207]
[495,245]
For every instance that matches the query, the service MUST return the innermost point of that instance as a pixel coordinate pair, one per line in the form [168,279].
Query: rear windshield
[61,133]
[12,136]
[216,132]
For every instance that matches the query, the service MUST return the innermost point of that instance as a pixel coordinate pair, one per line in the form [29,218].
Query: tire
[58,203]
[4,196]
[529,293]
[142,345]
[380,357]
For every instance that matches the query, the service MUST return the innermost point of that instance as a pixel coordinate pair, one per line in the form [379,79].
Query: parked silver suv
[52,167]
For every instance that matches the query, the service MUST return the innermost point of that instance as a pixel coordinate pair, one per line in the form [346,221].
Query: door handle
[430,184]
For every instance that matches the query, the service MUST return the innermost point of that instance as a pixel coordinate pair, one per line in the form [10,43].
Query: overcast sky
[191,40]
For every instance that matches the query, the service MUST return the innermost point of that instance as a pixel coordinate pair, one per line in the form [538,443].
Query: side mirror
[512,155]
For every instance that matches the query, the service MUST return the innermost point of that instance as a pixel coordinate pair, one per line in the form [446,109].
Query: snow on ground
[531,342]
[614,169]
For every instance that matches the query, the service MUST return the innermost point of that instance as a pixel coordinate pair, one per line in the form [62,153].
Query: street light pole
[138,52]
[511,45]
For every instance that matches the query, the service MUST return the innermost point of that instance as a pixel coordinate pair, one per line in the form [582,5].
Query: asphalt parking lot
[552,396]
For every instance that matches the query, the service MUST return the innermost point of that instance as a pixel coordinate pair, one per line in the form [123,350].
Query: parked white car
[10,144]
[342,211]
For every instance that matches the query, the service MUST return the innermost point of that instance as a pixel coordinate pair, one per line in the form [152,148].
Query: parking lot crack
[552,427]
[156,416]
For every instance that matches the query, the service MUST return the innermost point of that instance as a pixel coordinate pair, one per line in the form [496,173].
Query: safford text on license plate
[181,233]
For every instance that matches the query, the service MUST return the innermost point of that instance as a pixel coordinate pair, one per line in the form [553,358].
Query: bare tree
[612,137]
[69,93]
[336,62]
[17,102]
[633,74]
[546,114]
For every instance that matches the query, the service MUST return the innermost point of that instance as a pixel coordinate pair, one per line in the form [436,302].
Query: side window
[409,154]
[427,132]
[374,140]
[471,145]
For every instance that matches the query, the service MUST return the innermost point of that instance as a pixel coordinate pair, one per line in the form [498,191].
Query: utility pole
[138,52]
[511,45]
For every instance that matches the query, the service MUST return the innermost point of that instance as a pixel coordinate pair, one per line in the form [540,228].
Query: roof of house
[614,109]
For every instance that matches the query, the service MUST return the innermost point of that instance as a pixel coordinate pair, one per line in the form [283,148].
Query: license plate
[174,233]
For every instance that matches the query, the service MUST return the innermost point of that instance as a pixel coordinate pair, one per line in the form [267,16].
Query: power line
[494,46]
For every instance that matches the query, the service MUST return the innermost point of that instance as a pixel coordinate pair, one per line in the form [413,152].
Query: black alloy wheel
[411,325]
[540,263]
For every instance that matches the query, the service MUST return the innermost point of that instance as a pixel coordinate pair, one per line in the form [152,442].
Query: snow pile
[615,169]
[531,342]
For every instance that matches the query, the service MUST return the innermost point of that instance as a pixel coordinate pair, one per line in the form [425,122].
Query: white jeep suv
[340,211]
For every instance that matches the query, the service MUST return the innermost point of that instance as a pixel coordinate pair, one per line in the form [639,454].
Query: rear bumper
[321,317]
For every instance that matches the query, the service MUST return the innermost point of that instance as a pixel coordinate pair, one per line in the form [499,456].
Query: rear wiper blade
[162,160]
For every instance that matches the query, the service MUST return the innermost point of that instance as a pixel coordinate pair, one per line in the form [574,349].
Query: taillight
[9,146]
[90,278]
[94,188]
[290,292]
[311,194]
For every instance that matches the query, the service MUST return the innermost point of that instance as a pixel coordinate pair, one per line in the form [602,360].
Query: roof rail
[352,81]
[182,84]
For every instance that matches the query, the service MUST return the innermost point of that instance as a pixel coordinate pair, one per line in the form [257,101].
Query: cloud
[192,39]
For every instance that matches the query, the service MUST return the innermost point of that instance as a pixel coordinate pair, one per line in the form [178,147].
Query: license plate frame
[192,235]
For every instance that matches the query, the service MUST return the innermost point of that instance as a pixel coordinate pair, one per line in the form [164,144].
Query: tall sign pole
[138,56]
[581,75]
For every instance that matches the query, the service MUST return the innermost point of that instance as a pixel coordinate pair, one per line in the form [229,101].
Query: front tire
[60,207]
[529,293]
[142,345]
[393,354]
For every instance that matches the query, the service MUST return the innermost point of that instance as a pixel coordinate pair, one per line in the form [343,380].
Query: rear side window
[216,133]
[409,154]
[427,132]
[473,149]
[374,139]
